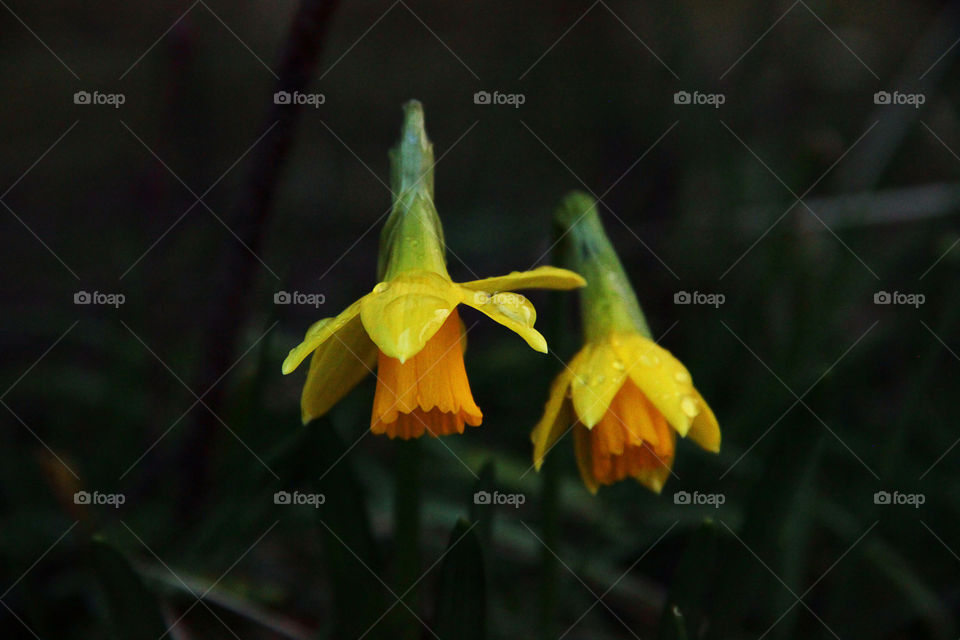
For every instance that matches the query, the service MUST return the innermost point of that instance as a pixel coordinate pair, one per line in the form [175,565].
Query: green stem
[559,336]
[550,498]
[407,533]
[412,238]
[608,303]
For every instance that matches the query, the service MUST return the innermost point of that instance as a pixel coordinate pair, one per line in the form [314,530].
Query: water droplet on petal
[381,287]
[649,360]
[682,376]
[520,313]
[618,365]
[597,379]
[689,407]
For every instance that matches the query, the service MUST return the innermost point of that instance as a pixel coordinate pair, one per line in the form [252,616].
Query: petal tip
[289,365]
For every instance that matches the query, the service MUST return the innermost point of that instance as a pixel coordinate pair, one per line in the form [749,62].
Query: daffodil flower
[625,397]
[408,326]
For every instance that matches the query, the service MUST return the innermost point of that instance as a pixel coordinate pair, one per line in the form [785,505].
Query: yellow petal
[539,278]
[555,421]
[598,376]
[662,378]
[317,334]
[336,367]
[584,455]
[402,314]
[512,310]
[705,431]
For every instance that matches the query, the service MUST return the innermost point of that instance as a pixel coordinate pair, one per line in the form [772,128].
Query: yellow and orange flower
[408,326]
[625,397]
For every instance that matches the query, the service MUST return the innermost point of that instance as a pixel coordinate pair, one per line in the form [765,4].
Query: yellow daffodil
[624,396]
[408,326]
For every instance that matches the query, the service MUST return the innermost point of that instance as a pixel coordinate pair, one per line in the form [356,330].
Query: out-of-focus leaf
[674,621]
[406,541]
[462,587]
[757,549]
[247,507]
[889,563]
[132,611]
[691,585]
[483,516]
[353,560]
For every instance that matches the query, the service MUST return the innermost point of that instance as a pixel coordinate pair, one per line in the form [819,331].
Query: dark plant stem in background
[558,336]
[239,266]
[550,498]
[407,534]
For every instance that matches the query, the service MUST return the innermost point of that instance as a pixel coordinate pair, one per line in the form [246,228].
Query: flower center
[427,393]
[632,439]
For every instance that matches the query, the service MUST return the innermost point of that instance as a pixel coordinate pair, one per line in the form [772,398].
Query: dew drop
[649,360]
[618,365]
[597,380]
[682,376]
[689,407]
[521,314]
[381,287]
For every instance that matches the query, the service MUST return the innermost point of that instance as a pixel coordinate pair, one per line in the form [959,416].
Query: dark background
[823,396]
